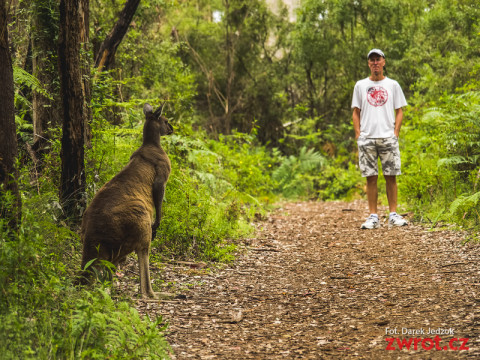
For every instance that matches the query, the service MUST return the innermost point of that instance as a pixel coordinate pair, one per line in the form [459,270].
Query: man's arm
[398,121]
[356,122]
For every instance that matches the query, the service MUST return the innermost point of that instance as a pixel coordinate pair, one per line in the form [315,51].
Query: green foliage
[102,329]
[102,271]
[231,47]
[296,174]
[336,182]
[43,316]
[215,189]
[245,164]
[148,66]
[24,80]
[466,206]
[445,47]
[441,160]
[195,223]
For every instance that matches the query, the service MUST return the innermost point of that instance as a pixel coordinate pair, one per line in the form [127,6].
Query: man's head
[376,62]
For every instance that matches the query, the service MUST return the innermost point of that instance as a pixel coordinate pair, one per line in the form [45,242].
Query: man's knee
[372,180]
[390,179]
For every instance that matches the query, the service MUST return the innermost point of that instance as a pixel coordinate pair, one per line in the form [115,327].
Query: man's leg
[394,218]
[372,193]
[391,185]
[368,162]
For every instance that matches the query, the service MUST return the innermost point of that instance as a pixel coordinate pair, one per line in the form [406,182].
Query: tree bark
[229,70]
[106,55]
[74,108]
[11,211]
[46,111]
[311,91]
[85,63]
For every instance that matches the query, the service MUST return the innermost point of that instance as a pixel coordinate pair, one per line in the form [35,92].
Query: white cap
[376,51]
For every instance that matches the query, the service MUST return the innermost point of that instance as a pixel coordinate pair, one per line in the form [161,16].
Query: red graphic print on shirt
[377,96]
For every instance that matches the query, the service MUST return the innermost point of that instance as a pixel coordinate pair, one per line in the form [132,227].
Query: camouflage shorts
[369,150]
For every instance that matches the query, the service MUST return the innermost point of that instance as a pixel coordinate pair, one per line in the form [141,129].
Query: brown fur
[119,220]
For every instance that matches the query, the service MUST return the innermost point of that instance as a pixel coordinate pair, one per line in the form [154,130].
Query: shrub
[336,182]
[441,154]
[296,174]
[43,316]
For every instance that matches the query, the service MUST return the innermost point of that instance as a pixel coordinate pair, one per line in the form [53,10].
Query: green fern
[453,160]
[216,185]
[294,175]
[310,160]
[465,204]
[22,77]
[306,161]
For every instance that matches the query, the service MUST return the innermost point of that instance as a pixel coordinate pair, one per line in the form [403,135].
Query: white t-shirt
[377,101]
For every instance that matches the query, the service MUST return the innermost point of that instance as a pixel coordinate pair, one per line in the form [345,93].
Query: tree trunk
[85,66]
[11,212]
[106,55]
[105,58]
[229,71]
[46,111]
[74,107]
[311,91]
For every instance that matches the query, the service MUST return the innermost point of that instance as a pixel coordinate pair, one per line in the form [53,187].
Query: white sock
[374,215]
[393,214]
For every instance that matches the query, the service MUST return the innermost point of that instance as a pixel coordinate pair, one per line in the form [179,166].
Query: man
[377,117]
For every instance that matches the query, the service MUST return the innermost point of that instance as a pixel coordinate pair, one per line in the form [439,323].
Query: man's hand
[398,121]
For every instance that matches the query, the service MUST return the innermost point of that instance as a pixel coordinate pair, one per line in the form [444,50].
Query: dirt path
[312,285]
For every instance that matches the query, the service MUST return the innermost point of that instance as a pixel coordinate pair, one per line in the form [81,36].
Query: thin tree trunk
[311,90]
[105,58]
[46,111]
[229,70]
[8,137]
[106,55]
[85,66]
[74,109]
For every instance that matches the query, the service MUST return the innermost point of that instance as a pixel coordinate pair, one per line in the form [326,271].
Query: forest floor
[312,285]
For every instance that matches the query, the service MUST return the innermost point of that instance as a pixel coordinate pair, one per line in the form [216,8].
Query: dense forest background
[261,110]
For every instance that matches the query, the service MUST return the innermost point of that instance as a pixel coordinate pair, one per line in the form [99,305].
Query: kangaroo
[119,220]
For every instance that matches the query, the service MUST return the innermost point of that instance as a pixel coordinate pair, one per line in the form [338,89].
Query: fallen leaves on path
[312,285]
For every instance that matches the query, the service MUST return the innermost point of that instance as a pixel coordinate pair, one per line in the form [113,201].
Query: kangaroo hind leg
[144,263]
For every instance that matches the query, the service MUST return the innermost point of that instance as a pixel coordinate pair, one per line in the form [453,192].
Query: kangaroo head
[156,120]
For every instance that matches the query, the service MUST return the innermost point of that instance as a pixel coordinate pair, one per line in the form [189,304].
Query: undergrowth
[441,161]
[44,316]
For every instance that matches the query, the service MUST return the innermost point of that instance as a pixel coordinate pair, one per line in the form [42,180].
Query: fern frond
[465,203]
[215,184]
[453,160]
[311,160]
[22,77]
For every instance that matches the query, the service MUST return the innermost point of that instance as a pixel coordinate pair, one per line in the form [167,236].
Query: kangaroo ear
[147,109]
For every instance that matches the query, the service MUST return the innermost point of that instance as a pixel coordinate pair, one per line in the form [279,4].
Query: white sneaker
[372,222]
[397,220]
